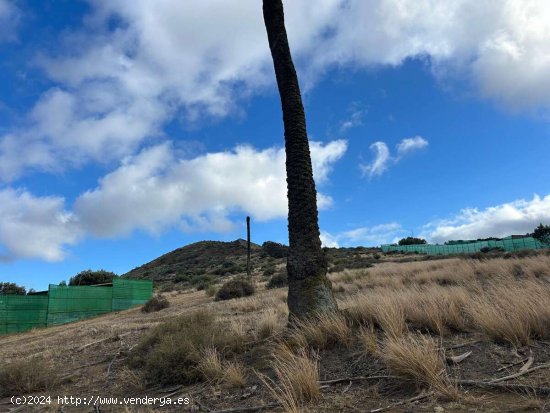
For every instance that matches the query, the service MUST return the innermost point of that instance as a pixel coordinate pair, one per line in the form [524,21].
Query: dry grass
[235,374]
[321,332]
[268,324]
[297,378]
[506,299]
[210,364]
[416,357]
[27,376]
[369,340]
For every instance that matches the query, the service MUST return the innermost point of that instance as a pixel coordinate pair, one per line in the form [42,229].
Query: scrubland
[451,334]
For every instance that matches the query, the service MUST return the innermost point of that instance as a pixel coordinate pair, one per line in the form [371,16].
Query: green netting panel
[68,304]
[508,244]
[22,312]
[128,293]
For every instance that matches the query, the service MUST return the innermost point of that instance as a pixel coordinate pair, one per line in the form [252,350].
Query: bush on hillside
[156,303]
[275,250]
[89,277]
[170,353]
[235,289]
[278,280]
[412,241]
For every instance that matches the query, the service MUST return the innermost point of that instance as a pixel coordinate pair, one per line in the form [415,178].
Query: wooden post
[248,246]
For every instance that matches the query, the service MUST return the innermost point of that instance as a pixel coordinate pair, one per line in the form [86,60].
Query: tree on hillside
[412,241]
[89,277]
[309,289]
[11,288]
[542,233]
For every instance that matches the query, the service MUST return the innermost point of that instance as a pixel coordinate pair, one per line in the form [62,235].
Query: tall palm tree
[310,290]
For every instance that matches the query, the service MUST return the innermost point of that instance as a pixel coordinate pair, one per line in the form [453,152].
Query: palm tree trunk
[309,290]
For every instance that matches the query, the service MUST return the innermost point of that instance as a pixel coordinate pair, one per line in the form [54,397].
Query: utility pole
[248,246]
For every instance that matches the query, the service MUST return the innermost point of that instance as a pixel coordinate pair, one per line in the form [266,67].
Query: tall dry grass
[297,378]
[506,299]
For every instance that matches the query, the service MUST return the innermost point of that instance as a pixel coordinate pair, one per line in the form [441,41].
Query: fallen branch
[357,378]
[412,399]
[528,364]
[248,409]
[111,364]
[508,386]
[114,338]
[513,364]
[521,373]
[458,359]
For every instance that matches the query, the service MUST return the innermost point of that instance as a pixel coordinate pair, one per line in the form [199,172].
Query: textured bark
[248,246]
[310,290]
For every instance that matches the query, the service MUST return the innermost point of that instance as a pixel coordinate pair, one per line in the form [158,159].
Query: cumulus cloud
[35,227]
[194,59]
[153,190]
[410,144]
[517,217]
[366,236]
[383,159]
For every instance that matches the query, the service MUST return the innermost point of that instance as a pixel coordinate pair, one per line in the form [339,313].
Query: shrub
[269,271]
[171,352]
[275,250]
[411,241]
[211,291]
[235,289]
[156,303]
[89,277]
[279,280]
[11,288]
[26,376]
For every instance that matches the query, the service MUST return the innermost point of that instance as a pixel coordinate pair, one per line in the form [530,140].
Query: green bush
[279,280]
[235,289]
[11,288]
[211,291]
[156,303]
[89,277]
[275,250]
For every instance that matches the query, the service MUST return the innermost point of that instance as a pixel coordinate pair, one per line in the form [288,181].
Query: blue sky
[129,129]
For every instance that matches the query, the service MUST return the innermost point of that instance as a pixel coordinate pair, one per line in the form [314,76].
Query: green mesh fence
[22,312]
[68,304]
[128,293]
[65,304]
[508,244]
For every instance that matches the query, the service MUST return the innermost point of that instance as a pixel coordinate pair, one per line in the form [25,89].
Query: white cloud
[117,88]
[35,227]
[327,240]
[502,46]
[517,217]
[357,113]
[383,159]
[410,144]
[154,190]
[365,236]
[10,16]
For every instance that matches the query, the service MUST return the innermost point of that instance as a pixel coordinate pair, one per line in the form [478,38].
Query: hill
[202,263]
